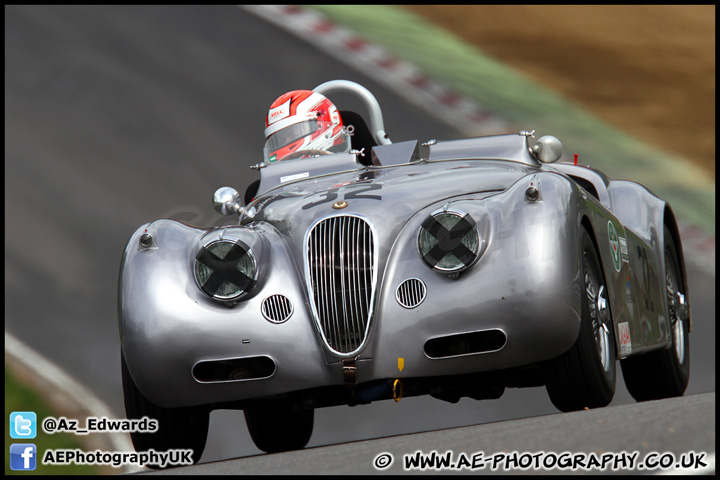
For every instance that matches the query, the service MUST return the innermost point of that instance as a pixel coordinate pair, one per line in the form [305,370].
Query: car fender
[528,264]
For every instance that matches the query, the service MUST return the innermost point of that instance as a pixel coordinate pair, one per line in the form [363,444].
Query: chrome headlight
[449,241]
[225,269]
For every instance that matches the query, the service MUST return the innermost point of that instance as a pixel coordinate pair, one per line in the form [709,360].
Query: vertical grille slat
[355,272]
[340,253]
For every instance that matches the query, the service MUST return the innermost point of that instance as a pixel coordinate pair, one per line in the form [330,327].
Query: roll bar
[377,126]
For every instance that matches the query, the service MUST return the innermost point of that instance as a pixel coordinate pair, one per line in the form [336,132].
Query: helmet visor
[303,139]
[290,134]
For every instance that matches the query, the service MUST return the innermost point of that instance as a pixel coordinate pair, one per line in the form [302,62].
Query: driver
[303,123]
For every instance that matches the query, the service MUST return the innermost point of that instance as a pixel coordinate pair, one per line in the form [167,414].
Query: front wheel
[585,375]
[664,373]
[280,429]
[178,428]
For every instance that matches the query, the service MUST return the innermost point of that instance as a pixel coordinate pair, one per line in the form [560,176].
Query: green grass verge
[20,398]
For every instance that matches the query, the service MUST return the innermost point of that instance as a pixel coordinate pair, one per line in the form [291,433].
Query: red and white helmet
[303,123]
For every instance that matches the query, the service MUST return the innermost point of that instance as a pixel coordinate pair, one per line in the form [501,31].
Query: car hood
[387,196]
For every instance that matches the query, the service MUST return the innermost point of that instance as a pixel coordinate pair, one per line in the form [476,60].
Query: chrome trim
[342,302]
[146,240]
[466,333]
[192,369]
[226,201]
[277,308]
[532,194]
[413,293]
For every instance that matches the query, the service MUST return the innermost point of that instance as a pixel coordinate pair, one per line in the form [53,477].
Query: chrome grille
[341,271]
[411,293]
[277,308]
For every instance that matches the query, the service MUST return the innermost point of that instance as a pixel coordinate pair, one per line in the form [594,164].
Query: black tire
[663,373]
[178,428]
[279,430]
[585,375]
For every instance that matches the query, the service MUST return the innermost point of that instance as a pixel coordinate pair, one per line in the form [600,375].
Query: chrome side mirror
[548,149]
[226,201]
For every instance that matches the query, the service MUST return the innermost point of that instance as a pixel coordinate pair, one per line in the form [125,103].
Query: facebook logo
[23,425]
[23,456]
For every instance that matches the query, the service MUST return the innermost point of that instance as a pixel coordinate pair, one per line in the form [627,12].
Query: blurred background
[647,69]
[117,115]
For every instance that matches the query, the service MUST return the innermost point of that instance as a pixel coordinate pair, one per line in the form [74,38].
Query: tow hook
[397,389]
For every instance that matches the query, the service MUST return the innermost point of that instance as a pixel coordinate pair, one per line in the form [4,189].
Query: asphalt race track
[512,446]
[115,116]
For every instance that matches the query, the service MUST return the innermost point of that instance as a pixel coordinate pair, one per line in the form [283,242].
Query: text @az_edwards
[99,425]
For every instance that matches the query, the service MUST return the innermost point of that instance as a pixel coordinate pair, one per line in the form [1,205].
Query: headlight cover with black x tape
[226,267]
[449,241]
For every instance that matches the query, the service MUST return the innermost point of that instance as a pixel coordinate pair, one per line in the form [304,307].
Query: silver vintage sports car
[444,268]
